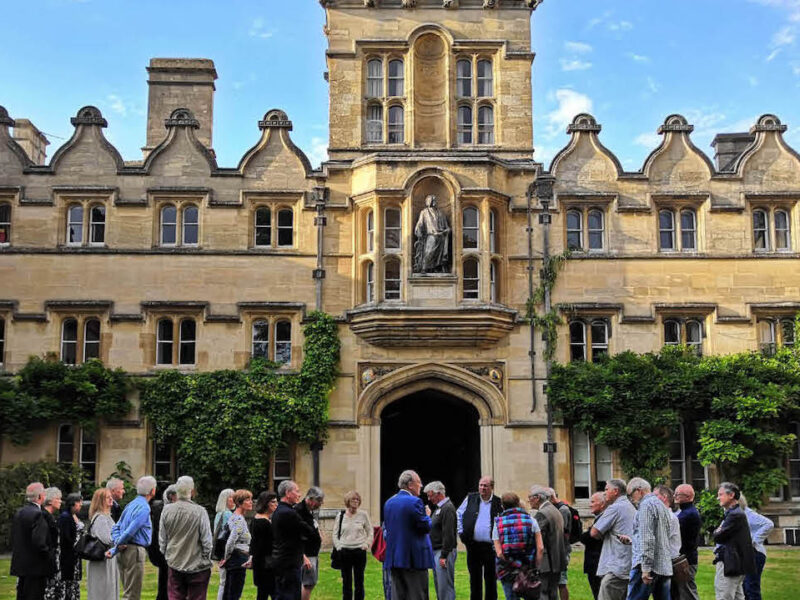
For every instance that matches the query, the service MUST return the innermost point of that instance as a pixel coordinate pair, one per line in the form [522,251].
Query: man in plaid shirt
[652,561]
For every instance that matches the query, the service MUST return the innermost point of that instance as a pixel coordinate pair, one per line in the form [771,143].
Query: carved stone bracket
[89,115]
[676,123]
[768,123]
[182,117]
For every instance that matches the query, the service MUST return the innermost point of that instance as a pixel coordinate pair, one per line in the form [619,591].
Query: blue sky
[721,63]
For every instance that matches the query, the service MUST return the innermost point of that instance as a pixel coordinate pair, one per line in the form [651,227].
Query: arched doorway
[437,435]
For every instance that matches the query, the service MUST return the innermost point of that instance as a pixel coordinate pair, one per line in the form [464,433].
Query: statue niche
[430,91]
[432,230]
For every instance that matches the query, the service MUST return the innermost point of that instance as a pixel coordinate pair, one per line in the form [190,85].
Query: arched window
[187,342]
[694,336]
[285,228]
[599,339]
[190,226]
[69,341]
[164,337]
[783,238]
[688,230]
[66,443]
[97,224]
[395,78]
[464,125]
[492,231]
[470,228]
[370,231]
[391,280]
[596,229]
[396,125]
[577,340]
[672,333]
[393,229]
[493,283]
[369,282]
[485,79]
[574,230]
[283,342]
[666,230]
[169,225]
[472,279]
[787,332]
[375,78]
[760,229]
[485,125]
[263,225]
[75,224]
[260,339]
[91,339]
[464,78]
[5,223]
[374,124]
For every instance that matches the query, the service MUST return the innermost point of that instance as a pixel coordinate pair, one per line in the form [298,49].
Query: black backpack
[576,525]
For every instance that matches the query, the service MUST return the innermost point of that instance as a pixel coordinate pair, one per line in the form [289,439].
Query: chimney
[728,147]
[31,139]
[179,83]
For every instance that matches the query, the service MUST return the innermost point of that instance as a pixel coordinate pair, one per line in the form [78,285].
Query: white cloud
[319,151]
[648,140]
[570,104]
[641,58]
[257,30]
[773,54]
[574,64]
[620,26]
[577,47]
[606,21]
[652,85]
[785,36]
[116,104]
[796,68]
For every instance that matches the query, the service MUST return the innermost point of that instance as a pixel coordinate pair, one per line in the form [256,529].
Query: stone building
[177,262]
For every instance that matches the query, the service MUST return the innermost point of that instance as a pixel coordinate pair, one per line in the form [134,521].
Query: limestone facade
[186,264]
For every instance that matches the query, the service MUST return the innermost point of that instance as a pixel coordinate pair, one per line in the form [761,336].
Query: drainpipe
[320,196]
[531,351]
[544,192]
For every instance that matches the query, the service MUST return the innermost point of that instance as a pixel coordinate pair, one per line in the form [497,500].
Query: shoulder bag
[221,536]
[336,555]
[527,584]
[89,547]
[680,569]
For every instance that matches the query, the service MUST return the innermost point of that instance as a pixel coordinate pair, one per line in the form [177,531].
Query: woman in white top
[101,575]
[352,537]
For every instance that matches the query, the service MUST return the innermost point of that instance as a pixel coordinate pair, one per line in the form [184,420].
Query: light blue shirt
[483,524]
[134,525]
[616,520]
[760,526]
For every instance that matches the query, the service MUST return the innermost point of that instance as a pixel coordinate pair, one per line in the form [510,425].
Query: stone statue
[432,248]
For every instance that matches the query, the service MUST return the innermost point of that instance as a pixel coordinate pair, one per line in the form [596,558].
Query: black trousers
[594,583]
[287,584]
[163,576]
[409,584]
[354,561]
[31,588]
[480,564]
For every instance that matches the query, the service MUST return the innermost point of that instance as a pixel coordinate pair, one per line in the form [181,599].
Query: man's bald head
[684,493]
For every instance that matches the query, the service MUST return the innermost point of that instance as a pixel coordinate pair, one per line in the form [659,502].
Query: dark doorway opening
[435,434]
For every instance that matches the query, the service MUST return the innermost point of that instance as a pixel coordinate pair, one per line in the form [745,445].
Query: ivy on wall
[741,405]
[225,425]
[547,322]
[46,390]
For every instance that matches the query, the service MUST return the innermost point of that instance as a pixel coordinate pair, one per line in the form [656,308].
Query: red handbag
[378,543]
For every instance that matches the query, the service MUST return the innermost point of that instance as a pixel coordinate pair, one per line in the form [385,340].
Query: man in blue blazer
[409,554]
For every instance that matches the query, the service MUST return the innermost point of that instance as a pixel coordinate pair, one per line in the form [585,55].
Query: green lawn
[781,579]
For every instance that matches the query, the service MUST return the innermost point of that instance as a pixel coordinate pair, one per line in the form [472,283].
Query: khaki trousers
[131,571]
[727,588]
[613,588]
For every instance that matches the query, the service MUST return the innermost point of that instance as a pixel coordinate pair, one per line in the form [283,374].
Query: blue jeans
[752,583]
[639,590]
[507,585]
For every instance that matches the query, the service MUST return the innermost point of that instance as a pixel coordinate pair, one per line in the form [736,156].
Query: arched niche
[430,90]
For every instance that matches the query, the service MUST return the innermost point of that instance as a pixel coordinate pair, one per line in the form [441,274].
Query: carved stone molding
[369,3]
[370,372]
[409,3]
[584,122]
[491,372]
[768,123]
[89,115]
[182,117]
[4,118]
[449,3]
[275,118]
[489,3]
[676,123]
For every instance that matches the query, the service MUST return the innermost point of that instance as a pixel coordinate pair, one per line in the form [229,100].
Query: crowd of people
[642,542]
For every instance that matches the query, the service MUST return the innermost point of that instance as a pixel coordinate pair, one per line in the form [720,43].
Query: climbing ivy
[741,405]
[547,322]
[225,425]
[47,390]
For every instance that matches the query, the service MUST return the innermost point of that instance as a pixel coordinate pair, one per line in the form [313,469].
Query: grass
[781,579]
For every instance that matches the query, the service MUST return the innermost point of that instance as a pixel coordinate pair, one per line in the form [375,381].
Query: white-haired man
[408,546]
[551,523]
[443,539]
[117,489]
[30,546]
[131,536]
[614,525]
[184,538]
